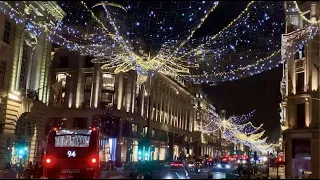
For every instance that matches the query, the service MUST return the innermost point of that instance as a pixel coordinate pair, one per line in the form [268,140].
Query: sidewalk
[273,173]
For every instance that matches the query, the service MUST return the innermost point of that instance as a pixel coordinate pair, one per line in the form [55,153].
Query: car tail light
[93,160]
[48,160]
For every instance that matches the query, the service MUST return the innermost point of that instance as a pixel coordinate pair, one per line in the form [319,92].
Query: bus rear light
[48,160]
[93,160]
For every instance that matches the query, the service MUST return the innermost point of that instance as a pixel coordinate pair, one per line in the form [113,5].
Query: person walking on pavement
[27,173]
[19,170]
[36,171]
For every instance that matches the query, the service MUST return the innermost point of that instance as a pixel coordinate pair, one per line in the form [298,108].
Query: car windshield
[224,163]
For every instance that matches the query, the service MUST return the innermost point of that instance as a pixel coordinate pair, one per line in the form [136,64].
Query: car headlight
[189,165]
[244,161]
[219,166]
[264,159]
[228,166]
[238,161]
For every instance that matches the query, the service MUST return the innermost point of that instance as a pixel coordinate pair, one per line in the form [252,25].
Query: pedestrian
[133,174]
[27,173]
[210,176]
[36,171]
[19,170]
[140,176]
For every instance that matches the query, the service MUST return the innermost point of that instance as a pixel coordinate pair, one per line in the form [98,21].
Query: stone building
[300,92]
[92,96]
[24,69]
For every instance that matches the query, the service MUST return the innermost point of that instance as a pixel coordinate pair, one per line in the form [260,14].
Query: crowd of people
[18,171]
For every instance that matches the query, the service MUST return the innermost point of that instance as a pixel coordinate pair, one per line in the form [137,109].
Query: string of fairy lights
[204,63]
[145,37]
[236,129]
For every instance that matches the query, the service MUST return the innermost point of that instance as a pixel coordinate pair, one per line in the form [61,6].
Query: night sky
[260,92]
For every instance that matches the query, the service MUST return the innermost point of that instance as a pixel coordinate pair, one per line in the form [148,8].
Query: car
[223,165]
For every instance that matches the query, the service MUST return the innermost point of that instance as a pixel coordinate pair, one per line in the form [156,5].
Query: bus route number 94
[71,154]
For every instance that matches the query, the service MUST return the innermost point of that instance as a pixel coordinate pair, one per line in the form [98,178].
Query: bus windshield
[72,141]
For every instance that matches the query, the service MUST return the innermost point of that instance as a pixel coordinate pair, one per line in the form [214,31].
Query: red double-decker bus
[72,154]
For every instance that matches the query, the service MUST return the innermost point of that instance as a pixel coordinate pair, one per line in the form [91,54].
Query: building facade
[211,144]
[92,96]
[300,91]
[25,61]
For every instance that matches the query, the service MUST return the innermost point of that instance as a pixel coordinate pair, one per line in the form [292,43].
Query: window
[64,62]
[88,63]
[88,81]
[3,66]
[22,83]
[126,129]
[134,128]
[72,141]
[7,30]
[106,99]
[300,53]
[300,82]
[301,110]
[108,82]
[80,123]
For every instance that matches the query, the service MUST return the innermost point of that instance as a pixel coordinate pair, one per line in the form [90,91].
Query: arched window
[24,126]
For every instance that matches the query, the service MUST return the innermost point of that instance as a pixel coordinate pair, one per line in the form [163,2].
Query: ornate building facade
[92,96]
[300,92]
[24,69]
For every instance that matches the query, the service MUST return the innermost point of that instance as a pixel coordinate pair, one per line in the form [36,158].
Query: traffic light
[144,150]
[20,149]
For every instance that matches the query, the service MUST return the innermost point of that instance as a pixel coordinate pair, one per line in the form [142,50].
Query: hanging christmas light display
[235,129]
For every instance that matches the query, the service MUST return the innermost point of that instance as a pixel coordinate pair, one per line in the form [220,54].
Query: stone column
[119,142]
[95,86]
[128,92]
[17,57]
[143,91]
[120,91]
[129,146]
[80,81]
[133,92]
[36,65]
[313,12]
[288,157]
[43,58]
